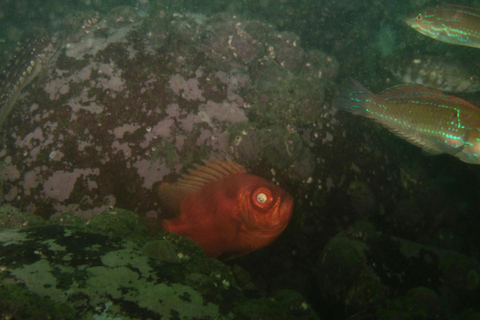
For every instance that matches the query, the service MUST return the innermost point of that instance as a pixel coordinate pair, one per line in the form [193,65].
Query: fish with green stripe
[449,23]
[427,118]
[31,57]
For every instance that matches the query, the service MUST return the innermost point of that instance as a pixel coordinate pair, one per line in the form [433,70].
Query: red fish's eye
[262,198]
[419,17]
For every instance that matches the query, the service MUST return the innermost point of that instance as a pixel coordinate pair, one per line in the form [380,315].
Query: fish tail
[352,96]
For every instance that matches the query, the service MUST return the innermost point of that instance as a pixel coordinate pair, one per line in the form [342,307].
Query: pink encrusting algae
[114,115]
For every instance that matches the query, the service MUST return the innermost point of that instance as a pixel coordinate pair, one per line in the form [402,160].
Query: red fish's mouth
[286,207]
[287,203]
[268,226]
[281,216]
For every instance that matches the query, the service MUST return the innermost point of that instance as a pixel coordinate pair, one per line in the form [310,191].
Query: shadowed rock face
[129,101]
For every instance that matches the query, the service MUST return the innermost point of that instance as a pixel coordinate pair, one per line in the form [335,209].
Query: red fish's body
[226,210]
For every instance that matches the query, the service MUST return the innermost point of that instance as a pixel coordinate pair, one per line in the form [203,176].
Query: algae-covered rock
[69,219]
[345,275]
[117,222]
[17,302]
[113,222]
[11,217]
[280,306]
[361,268]
[418,303]
[141,98]
[101,276]
[164,250]
[66,272]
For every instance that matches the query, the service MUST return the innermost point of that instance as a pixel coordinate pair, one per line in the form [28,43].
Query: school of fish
[424,116]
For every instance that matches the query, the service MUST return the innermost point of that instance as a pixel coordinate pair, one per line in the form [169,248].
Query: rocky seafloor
[108,268]
[379,230]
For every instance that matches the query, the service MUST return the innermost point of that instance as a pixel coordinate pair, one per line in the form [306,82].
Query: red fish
[225,210]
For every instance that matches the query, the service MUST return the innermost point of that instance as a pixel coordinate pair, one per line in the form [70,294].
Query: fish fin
[469,10]
[352,96]
[413,139]
[451,146]
[422,144]
[400,90]
[171,194]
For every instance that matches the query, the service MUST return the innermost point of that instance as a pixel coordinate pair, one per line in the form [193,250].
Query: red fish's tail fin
[353,97]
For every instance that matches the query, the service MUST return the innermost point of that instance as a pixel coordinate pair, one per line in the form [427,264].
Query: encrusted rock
[131,99]
[74,272]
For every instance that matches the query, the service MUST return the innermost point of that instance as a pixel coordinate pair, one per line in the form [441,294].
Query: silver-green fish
[448,23]
[428,118]
[30,58]
[435,72]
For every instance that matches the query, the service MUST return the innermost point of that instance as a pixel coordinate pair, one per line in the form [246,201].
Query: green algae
[170,154]
[282,305]
[163,250]
[106,267]
[204,284]
[165,151]
[11,217]
[345,270]
[117,222]
[105,277]
[19,303]
[108,275]
[418,303]
[69,219]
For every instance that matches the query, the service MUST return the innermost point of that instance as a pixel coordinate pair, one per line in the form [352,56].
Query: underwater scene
[263,160]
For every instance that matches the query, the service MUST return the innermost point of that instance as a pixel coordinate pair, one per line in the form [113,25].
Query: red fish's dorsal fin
[171,194]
